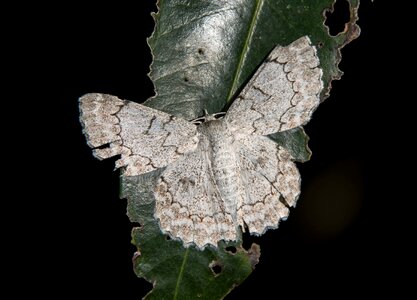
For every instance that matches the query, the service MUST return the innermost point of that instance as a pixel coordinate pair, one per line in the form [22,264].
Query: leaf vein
[180,275]
[259,5]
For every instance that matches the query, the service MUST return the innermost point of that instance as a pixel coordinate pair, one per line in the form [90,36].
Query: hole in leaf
[201,51]
[186,79]
[320,45]
[167,237]
[216,267]
[231,249]
[136,224]
[337,17]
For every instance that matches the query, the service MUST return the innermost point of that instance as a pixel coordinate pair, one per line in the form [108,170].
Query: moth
[221,172]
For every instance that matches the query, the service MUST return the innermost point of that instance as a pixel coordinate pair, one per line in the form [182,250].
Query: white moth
[224,173]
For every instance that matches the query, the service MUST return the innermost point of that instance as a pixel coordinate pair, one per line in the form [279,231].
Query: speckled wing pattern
[250,181]
[189,204]
[271,181]
[282,94]
[146,138]
[225,173]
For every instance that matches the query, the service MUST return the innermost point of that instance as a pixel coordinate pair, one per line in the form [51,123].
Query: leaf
[203,54]
[204,51]
[180,273]
[295,141]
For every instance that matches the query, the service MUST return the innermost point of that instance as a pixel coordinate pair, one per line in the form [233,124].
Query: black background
[339,241]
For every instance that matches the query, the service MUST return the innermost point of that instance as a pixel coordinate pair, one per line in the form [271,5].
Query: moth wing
[188,204]
[145,138]
[282,94]
[271,181]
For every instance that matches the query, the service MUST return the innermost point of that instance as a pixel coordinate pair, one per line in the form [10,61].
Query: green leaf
[179,273]
[204,51]
[295,141]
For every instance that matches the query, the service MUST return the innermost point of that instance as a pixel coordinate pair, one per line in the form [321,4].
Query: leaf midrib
[233,88]
[180,275]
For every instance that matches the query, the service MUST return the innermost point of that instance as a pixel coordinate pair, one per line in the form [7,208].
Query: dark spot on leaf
[201,51]
[320,45]
[231,249]
[337,17]
[215,267]
[167,237]
[186,79]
